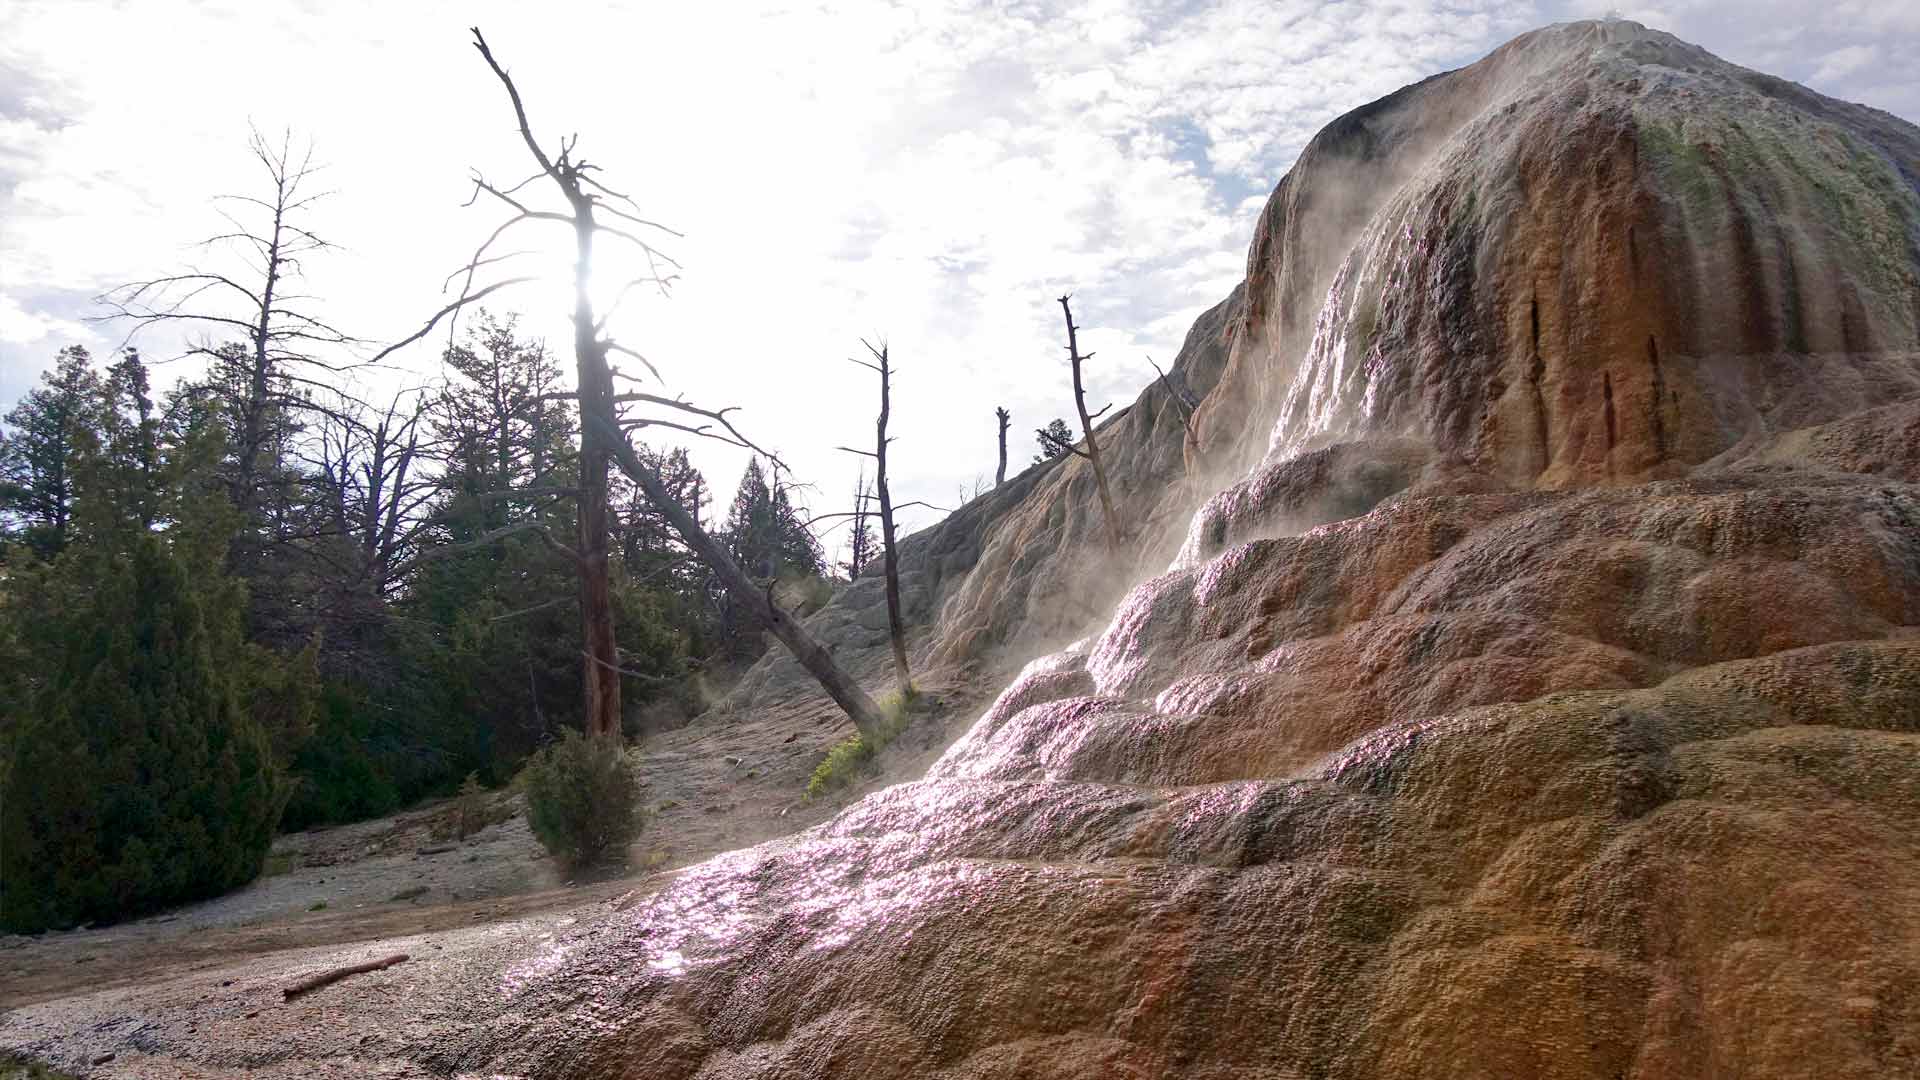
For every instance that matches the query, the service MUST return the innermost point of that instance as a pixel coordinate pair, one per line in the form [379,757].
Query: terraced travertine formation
[1522,678]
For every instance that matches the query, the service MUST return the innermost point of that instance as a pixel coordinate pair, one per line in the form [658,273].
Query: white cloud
[935,172]
[1842,62]
[19,326]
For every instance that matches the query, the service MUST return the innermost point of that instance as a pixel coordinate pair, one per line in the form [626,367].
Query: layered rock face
[1522,678]
[1598,256]
[1536,691]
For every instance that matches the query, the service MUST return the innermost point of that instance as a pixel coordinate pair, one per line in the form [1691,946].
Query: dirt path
[88,961]
[711,788]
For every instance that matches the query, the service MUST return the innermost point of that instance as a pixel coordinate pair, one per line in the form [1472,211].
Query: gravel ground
[729,782]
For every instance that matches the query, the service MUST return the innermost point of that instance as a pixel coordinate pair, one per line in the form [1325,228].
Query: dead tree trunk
[600,654]
[259,378]
[277,362]
[1092,453]
[373,492]
[334,975]
[1005,418]
[860,540]
[819,663]
[601,677]
[603,427]
[1181,404]
[889,555]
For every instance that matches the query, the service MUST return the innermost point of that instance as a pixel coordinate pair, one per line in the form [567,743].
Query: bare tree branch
[718,417]
[1179,399]
[519,109]
[555,602]
[641,675]
[1058,444]
[613,347]
[463,301]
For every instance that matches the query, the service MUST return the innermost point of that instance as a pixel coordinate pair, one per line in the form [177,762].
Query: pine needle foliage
[139,776]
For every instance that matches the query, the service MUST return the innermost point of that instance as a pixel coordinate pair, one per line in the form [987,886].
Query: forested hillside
[253,601]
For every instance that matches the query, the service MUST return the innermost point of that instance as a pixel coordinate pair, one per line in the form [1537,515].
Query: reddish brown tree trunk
[601,440]
[600,676]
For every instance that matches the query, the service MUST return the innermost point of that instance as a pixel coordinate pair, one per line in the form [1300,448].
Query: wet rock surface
[1520,674]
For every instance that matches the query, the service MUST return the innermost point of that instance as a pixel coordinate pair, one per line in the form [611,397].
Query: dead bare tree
[967,492]
[334,975]
[889,554]
[860,538]
[1092,452]
[1181,402]
[595,210]
[263,307]
[1005,418]
[373,490]
[594,393]
[819,663]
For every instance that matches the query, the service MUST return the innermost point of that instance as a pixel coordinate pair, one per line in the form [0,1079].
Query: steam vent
[1522,677]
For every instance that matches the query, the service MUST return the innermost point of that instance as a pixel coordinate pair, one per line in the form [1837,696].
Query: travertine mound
[1513,672]
[1535,691]
[1718,876]
[1599,256]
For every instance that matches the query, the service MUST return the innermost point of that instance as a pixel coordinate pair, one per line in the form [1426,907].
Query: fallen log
[334,975]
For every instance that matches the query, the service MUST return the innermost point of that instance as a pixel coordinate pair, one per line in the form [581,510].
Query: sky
[933,174]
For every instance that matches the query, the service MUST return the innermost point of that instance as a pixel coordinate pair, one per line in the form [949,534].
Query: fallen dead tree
[334,975]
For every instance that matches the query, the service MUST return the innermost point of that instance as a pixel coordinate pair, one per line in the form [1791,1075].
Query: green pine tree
[139,776]
[766,535]
[1056,440]
[45,437]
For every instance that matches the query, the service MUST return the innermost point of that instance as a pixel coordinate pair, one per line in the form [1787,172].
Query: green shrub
[139,778]
[472,810]
[848,758]
[583,798]
[14,1067]
[855,755]
[337,776]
